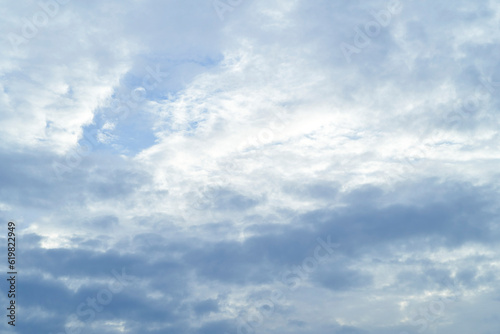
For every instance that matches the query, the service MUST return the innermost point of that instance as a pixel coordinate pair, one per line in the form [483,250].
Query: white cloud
[264,138]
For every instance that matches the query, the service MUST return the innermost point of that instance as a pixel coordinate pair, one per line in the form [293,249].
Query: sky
[251,166]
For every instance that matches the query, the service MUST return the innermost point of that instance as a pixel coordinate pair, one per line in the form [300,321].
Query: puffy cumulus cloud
[252,166]
[55,73]
[64,60]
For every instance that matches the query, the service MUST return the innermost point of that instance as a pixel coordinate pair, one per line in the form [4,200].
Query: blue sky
[252,166]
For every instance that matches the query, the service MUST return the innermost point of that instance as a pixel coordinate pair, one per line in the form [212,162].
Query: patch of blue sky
[126,135]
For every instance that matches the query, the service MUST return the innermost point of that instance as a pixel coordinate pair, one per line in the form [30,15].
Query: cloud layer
[252,166]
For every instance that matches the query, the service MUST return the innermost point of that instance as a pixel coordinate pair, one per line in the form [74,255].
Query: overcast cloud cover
[251,166]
